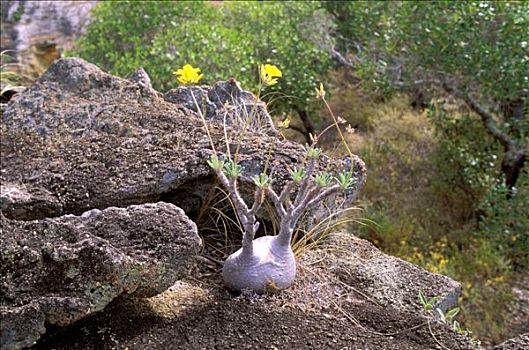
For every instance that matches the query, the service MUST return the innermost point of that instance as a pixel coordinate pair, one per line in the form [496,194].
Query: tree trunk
[514,153]
[511,165]
[514,157]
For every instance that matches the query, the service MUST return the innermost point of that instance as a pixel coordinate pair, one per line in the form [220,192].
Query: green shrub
[505,223]
[469,182]
[226,40]
[466,160]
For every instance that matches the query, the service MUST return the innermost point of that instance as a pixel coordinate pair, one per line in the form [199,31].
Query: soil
[318,312]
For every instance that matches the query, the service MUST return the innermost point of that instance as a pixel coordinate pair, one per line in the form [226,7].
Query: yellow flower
[320,93]
[188,75]
[269,74]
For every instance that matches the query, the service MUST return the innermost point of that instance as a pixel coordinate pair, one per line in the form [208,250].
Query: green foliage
[120,33]
[468,48]
[505,223]
[312,152]
[232,169]
[345,180]
[434,198]
[448,318]
[323,179]
[297,174]
[262,180]
[428,303]
[227,40]
[466,159]
[468,176]
[215,163]
[482,45]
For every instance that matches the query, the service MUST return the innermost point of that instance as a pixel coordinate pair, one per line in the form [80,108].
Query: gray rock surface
[78,142]
[225,102]
[520,342]
[389,280]
[56,271]
[60,21]
[80,139]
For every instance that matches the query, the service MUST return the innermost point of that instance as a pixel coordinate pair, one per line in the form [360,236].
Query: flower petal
[272,70]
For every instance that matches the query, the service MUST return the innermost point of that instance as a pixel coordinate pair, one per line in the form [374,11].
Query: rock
[226,102]
[39,31]
[141,77]
[60,20]
[520,342]
[320,311]
[389,280]
[56,271]
[79,143]
[17,200]
[80,139]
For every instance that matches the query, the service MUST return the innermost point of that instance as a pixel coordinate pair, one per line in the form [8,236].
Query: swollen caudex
[271,266]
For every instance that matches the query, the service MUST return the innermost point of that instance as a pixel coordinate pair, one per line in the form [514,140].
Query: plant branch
[258,201]
[278,204]
[486,116]
[304,182]
[327,192]
[336,55]
[286,191]
[246,215]
[306,197]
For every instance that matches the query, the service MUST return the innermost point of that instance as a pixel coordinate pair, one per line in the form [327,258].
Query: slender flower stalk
[321,94]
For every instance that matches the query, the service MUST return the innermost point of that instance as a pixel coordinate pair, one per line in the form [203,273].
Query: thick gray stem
[277,203]
[285,231]
[306,197]
[285,194]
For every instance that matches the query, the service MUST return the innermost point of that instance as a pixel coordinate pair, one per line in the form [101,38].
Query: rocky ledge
[56,271]
[94,171]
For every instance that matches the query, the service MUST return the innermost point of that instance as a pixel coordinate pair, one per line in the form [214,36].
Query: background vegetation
[227,40]
[436,91]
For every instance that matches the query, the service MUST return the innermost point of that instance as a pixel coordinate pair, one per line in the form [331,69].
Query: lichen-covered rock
[226,102]
[80,138]
[389,280]
[59,270]
[520,342]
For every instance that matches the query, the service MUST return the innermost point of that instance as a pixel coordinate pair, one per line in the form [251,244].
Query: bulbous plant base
[271,267]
